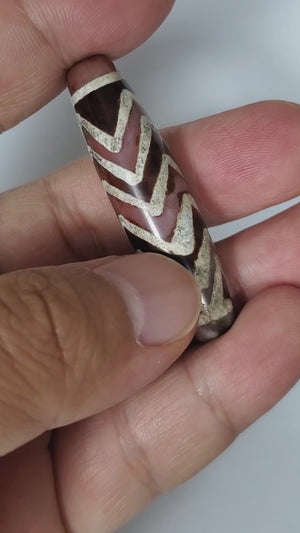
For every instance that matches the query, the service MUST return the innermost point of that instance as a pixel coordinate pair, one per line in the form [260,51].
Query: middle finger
[67,216]
[263,256]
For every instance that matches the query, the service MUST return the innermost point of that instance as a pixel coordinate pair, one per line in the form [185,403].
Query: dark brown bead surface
[146,188]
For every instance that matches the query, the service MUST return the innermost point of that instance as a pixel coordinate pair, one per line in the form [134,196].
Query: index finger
[40,39]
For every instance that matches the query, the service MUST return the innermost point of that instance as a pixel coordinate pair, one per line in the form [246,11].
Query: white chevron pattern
[218,306]
[129,177]
[156,205]
[183,241]
[113,143]
[202,263]
[94,85]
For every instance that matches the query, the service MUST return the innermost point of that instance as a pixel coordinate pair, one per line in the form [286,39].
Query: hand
[68,331]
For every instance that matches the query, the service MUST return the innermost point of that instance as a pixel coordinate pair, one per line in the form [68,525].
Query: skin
[119,443]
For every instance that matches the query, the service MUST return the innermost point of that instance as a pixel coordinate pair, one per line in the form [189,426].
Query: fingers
[73,340]
[40,39]
[264,255]
[112,465]
[242,160]
[27,478]
[59,219]
[67,228]
[73,218]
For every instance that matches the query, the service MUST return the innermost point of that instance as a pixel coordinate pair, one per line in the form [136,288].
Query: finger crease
[53,206]
[61,357]
[51,451]
[215,407]
[133,453]
[21,6]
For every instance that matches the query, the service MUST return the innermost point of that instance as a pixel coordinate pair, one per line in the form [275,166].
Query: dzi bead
[145,186]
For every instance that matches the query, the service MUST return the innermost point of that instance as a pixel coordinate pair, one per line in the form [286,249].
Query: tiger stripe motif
[148,191]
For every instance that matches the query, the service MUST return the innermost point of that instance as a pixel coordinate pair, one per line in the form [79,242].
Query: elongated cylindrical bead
[145,185]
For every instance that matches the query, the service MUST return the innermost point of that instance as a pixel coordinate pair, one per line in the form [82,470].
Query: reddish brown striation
[145,186]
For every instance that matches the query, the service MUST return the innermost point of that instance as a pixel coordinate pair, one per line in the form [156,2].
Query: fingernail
[162,298]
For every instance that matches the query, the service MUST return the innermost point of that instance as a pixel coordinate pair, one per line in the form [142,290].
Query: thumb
[76,339]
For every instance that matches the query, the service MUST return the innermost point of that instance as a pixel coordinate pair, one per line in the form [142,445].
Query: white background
[210,55]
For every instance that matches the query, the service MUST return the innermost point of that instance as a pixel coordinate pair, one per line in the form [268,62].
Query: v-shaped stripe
[95,85]
[129,177]
[113,143]
[156,204]
[183,241]
[218,306]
